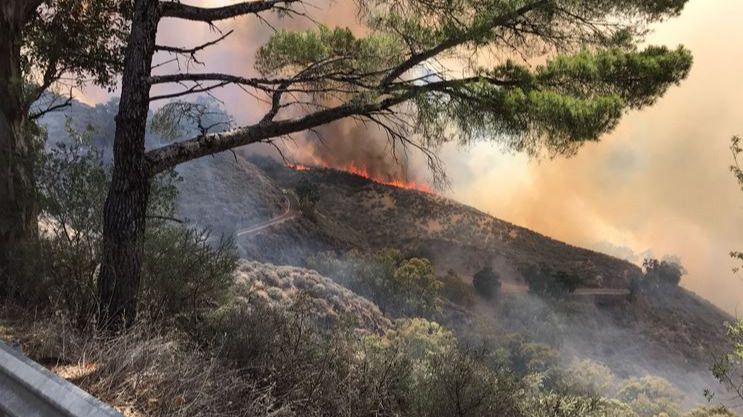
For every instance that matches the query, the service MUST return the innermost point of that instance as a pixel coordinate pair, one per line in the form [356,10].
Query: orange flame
[351,168]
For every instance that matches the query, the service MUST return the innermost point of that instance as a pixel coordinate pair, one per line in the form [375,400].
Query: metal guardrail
[27,389]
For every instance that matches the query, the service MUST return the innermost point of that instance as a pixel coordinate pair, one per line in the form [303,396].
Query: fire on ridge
[353,169]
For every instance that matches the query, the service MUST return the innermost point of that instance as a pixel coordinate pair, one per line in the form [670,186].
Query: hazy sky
[660,184]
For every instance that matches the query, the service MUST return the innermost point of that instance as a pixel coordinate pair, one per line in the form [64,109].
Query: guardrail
[27,389]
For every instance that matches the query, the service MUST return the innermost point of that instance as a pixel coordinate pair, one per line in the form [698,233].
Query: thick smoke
[349,144]
[659,183]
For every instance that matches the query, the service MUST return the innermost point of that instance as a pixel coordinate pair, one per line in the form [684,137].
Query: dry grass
[329,301]
[149,371]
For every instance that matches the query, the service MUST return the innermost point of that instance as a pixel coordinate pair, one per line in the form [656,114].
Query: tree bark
[18,206]
[126,203]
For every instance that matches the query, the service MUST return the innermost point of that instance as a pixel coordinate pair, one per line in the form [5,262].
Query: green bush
[456,290]
[588,377]
[662,273]
[308,194]
[399,286]
[458,383]
[415,370]
[72,188]
[315,371]
[544,281]
[535,361]
[650,396]
[182,271]
[720,411]
[486,282]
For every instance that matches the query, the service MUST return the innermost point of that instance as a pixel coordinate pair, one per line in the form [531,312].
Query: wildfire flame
[351,168]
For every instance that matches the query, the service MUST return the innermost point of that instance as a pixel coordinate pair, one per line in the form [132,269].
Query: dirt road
[290,214]
[512,288]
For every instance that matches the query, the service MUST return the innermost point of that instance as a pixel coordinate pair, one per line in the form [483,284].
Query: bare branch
[195,89]
[168,156]
[258,83]
[192,51]
[53,105]
[212,14]
[453,42]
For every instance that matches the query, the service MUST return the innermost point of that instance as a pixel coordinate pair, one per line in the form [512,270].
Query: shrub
[182,271]
[456,290]
[308,194]
[662,273]
[399,286]
[72,188]
[547,282]
[720,411]
[316,372]
[650,396]
[535,361]
[458,383]
[486,282]
[588,377]
[418,338]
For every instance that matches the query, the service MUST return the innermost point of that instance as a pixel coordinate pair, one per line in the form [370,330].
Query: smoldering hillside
[673,335]
[253,199]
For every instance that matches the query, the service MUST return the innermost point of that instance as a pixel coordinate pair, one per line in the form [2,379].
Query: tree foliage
[544,280]
[735,168]
[486,282]
[650,396]
[588,377]
[663,273]
[728,367]
[412,51]
[456,290]
[68,43]
[399,286]
[308,193]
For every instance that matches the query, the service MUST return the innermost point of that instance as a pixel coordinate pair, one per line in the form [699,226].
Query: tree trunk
[18,207]
[126,204]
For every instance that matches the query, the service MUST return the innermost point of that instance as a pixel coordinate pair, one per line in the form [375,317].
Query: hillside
[672,335]
[451,234]
[669,336]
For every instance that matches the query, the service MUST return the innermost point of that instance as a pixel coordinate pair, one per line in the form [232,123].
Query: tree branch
[211,14]
[169,156]
[259,83]
[453,42]
[195,89]
[192,51]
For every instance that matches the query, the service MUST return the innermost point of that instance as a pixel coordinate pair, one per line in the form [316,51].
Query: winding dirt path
[290,214]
